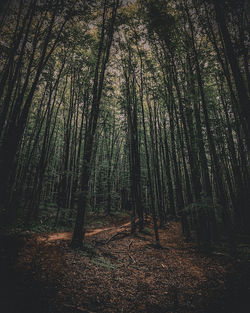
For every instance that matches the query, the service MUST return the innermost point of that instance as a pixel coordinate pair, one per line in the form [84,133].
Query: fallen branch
[117,234]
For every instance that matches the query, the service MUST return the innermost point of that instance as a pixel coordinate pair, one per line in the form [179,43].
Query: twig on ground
[76,308]
[130,243]
[130,256]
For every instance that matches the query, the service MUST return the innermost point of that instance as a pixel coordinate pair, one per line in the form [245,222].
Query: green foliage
[147,231]
[160,19]
[89,250]
[206,204]
[168,63]
[101,261]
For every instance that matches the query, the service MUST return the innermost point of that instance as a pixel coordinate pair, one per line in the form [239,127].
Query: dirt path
[124,273]
[68,235]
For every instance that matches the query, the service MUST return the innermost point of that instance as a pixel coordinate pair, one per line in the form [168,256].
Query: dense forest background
[124,156]
[136,106]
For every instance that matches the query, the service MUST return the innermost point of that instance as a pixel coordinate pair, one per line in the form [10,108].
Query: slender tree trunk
[101,64]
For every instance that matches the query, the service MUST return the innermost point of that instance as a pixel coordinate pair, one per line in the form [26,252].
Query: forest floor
[117,272]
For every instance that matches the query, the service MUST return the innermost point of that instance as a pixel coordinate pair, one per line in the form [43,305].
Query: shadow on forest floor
[117,272]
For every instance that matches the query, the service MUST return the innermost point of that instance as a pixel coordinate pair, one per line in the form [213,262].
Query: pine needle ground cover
[117,272]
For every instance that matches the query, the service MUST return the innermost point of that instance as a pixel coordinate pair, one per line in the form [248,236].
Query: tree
[107,31]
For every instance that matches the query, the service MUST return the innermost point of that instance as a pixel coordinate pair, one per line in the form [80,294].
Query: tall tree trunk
[101,64]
